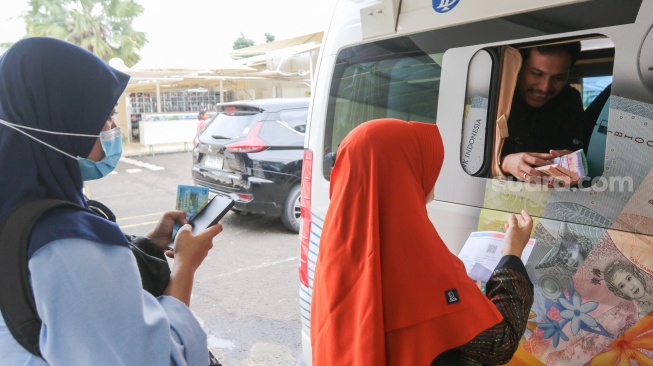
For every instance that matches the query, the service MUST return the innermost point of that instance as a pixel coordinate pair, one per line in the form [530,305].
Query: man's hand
[522,165]
[161,235]
[559,153]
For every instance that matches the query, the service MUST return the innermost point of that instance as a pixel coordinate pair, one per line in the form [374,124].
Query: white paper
[482,252]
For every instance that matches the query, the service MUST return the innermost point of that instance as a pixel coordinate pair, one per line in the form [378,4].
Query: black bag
[16,298]
[152,264]
[151,260]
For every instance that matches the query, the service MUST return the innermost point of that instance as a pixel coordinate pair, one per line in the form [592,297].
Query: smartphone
[210,215]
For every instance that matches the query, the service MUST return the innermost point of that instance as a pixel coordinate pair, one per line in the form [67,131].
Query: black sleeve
[511,291]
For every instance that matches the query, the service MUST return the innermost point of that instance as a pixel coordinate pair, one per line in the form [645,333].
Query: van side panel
[581,233]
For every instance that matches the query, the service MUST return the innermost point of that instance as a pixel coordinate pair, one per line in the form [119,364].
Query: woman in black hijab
[56,101]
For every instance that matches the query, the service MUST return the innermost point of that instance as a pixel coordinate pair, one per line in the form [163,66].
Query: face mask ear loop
[19,128]
[14,127]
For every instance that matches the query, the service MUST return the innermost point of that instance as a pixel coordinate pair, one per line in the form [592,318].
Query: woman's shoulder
[69,222]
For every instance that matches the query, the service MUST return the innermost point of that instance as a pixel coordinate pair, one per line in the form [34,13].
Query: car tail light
[245,197]
[251,143]
[307,174]
[230,111]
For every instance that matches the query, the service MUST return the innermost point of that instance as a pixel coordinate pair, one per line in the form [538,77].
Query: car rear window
[286,129]
[231,125]
[295,118]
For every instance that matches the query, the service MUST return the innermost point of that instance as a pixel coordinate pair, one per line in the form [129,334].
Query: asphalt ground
[246,291]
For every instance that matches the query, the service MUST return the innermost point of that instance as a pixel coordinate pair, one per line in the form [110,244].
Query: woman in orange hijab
[387,291]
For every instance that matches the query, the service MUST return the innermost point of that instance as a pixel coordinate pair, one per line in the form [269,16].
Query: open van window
[369,83]
[500,122]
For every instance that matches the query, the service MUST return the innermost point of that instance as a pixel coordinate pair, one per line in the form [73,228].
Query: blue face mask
[111,141]
[112,145]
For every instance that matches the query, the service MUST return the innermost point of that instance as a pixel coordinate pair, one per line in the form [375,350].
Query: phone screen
[210,215]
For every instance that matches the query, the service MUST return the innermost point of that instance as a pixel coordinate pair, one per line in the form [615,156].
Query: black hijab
[55,86]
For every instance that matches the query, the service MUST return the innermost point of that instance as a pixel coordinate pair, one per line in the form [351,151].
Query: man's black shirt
[558,125]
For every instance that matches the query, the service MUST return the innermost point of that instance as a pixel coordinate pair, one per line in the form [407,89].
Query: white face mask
[104,166]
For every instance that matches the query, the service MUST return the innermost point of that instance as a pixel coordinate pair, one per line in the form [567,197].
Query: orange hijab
[381,294]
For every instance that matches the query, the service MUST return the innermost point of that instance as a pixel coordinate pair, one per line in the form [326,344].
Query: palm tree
[103,27]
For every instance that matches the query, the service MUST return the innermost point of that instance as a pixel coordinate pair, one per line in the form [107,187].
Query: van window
[473,149]
[369,84]
[593,86]
[591,76]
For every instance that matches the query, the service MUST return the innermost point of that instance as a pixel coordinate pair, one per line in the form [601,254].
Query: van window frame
[493,90]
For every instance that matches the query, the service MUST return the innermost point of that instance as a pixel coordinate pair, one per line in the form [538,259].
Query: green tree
[269,37]
[103,27]
[5,45]
[242,42]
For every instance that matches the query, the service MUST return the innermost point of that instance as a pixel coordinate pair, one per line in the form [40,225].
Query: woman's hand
[190,251]
[161,235]
[518,232]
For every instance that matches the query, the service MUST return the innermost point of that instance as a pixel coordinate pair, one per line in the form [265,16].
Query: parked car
[253,151]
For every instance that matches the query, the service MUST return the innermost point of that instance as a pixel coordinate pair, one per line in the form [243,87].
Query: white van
[442,62]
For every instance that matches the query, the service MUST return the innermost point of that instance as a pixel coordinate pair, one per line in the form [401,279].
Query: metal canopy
[226,73]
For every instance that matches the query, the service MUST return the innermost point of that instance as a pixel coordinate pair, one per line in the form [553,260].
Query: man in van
[546,112]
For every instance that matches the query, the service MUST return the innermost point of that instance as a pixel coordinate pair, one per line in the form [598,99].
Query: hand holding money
[161,235]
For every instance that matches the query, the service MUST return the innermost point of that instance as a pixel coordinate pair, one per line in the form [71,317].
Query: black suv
[252,151]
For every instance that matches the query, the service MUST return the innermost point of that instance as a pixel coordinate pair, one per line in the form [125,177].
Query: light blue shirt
[95,312]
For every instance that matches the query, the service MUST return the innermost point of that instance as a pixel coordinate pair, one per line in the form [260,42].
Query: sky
[189,33]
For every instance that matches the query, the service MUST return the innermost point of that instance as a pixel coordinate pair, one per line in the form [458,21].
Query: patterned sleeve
[511,291]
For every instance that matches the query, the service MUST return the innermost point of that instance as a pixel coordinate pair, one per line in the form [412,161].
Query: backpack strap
[16,297]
